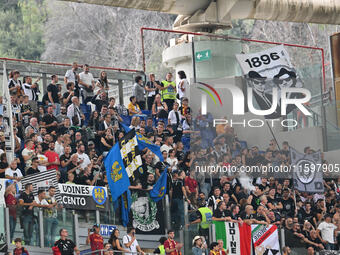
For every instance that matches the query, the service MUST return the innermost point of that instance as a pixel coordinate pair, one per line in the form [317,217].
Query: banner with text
[147,215]
[265,239]
[82,197]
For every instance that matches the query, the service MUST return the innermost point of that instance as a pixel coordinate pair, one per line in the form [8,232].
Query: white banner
[268,71]
[267,62]
[2,191]
[265,239]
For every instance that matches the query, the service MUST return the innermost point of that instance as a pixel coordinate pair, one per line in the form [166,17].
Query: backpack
[23,252]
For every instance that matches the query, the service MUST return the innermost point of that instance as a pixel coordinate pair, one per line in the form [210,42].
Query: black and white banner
[307,171]
[42,180]
[267,70]
[147,215]
[130,152]
[83,197]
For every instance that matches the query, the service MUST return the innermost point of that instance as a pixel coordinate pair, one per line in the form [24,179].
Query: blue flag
[159,189]
[125,206]
[116,173]
[125,127]
[143,143]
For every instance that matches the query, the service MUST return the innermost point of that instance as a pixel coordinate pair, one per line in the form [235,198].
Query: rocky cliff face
[107,36]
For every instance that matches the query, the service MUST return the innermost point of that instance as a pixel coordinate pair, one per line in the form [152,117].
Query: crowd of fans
[56,133]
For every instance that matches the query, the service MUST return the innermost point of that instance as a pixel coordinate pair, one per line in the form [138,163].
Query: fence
[120,80]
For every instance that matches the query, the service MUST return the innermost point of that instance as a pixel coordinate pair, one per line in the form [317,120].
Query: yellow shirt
[134,108]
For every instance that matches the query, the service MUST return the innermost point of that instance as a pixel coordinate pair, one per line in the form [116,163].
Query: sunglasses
[259,82]
[283,80]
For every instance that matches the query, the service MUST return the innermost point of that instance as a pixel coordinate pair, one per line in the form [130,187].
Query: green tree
[22,28]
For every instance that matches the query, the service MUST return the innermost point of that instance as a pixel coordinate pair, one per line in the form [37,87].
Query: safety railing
[107,251]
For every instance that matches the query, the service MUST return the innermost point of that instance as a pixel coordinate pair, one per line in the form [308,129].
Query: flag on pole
[143,143]
[159,189]
[125,207]
[307,171]
[130,152]
[236,237]
[117,177]
[265,239]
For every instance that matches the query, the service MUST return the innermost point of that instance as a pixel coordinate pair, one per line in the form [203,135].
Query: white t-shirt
[185,86]
[11,173]
[133,247]
[85,158]
[327,231]
[58,148]
[42,158]
[16,173]
[42,202]
[166,148]
[28,152]
[171,162]
[87,78]
[70,76]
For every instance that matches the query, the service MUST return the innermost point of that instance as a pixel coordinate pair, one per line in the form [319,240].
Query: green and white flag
[236,237]
[265,239]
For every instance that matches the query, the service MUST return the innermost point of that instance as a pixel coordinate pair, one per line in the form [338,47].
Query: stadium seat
[186,143]
[146,112]
[243,144]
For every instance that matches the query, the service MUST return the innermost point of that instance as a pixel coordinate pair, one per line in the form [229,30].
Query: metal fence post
[97,217]
[120,92]
[283,242]
[44,82]
[76,229]
[167,213]
[41,228]
[213,231]
[187,243]
[7,229]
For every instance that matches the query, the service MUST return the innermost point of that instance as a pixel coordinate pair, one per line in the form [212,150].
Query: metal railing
[102,252]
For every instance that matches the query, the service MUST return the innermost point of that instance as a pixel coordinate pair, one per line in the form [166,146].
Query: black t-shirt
[288,206]
[303,215]
[82,179]
[54,90]
[3,165]
[49,119]
[245,216]
[274,201]
[263,187]
[27,198]
[65,158]
[31,170]
[260,217]
[255,201]
[179,155]
[219,214]
[177,191]
[66,247]
[161,166]
[233,216]
[65,96]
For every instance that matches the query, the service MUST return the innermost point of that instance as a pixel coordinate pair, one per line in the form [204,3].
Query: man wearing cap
[198,248]
[95,239]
